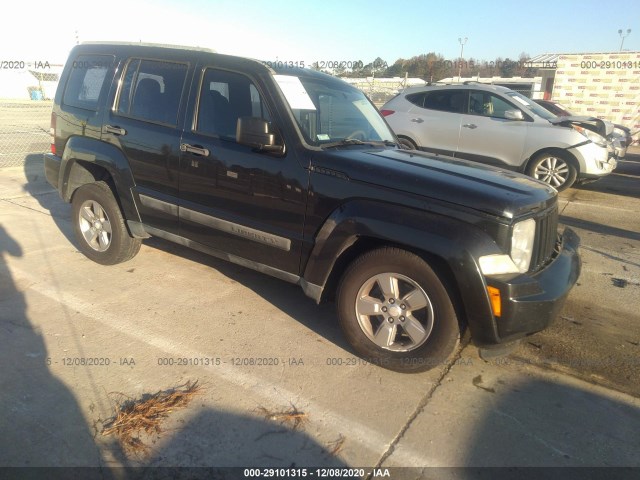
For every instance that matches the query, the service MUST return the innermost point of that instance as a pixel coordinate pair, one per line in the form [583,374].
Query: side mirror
[513,115]
[254,132]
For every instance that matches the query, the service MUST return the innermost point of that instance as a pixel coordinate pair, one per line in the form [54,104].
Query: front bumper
[531,302]
[595,161]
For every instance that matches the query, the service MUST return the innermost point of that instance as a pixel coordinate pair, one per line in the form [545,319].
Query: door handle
[196,150]
[470,125]
[115,130]
[417,120]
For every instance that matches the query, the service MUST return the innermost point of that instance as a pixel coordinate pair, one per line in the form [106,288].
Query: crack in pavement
[421,405]
[48,214]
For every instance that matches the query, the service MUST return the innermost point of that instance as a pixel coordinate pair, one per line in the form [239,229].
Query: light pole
[462,42]
[623,36]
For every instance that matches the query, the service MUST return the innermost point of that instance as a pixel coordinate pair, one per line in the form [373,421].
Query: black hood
[480,187]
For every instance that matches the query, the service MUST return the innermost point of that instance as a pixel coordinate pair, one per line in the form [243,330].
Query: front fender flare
[457,243]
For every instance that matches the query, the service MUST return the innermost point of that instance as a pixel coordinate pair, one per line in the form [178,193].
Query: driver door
[234,199]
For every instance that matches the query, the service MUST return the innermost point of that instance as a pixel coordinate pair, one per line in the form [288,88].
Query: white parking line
[599,205]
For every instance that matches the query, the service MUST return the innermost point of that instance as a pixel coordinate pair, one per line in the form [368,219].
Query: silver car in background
[618,135]
[498,126]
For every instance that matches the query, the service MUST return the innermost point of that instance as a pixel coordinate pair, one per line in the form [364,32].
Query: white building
[31,82]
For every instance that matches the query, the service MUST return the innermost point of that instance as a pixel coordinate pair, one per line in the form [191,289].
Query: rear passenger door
[144,124]
[232,198]
[436,118]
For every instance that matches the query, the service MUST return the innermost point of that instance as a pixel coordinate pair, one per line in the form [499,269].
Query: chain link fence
[24,130]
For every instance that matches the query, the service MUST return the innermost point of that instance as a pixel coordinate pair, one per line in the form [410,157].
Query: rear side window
[446,100]
[151,90]
[416,98]
[86,80]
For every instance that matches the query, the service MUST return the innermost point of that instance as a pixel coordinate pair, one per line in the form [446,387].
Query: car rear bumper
[52,169]
[531,302]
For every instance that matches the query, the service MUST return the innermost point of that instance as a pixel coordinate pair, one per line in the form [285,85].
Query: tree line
[432,67]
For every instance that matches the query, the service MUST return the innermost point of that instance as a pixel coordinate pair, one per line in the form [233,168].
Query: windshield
[329,110]
[531,105]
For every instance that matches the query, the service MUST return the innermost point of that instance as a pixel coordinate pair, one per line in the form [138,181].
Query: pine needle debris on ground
[336,445]
[293,417]
[146,414]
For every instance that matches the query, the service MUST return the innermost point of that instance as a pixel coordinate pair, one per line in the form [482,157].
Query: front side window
[224,97]
[328,110]
[151,90]
[86,81]
[488,104]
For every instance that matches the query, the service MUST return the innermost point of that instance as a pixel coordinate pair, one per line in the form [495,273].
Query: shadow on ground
[624,181]
[43,425]
[559,428]
[40,420]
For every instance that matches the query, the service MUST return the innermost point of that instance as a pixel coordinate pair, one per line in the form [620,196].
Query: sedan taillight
[386,113]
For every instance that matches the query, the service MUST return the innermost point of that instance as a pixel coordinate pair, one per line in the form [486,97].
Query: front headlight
[522,240]
[591,135]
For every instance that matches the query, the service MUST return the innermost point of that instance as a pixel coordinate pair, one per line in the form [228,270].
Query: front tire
[407,144]
[395,311]
[554,169]
[100,227]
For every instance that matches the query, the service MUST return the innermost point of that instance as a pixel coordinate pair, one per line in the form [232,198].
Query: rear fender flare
[80,154]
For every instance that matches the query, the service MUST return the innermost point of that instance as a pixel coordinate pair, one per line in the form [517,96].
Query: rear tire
[396,312]
[554,169]
[99,226]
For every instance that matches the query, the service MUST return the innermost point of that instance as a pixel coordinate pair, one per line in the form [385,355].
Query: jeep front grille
[546,239]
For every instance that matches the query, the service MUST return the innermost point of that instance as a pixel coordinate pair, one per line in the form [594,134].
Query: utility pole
[623,36]
[462,42]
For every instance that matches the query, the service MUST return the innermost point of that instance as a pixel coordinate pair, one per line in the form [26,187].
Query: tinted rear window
[86,81]
[416,98]
[152,89]
[446,100]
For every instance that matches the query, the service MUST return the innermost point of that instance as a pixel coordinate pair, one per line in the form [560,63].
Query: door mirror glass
[513,115]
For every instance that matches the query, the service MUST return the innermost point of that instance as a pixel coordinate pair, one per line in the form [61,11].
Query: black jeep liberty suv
[295,173]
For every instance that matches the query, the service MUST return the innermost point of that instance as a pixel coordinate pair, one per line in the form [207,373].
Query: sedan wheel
[554,170]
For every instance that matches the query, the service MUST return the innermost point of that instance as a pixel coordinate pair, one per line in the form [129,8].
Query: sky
[325,30]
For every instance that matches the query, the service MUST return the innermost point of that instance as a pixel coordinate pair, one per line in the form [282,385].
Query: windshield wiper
[355,141]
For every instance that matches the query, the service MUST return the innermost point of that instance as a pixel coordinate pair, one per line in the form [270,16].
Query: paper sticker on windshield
[294,92]
[323,136]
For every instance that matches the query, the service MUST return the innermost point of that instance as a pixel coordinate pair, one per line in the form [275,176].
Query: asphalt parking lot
[76,338]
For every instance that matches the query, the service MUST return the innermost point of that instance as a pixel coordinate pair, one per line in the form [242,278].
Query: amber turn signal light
[496,303]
